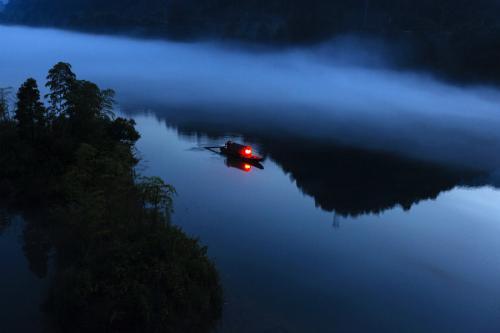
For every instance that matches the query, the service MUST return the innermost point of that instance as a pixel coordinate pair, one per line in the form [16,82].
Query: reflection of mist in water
[313,93]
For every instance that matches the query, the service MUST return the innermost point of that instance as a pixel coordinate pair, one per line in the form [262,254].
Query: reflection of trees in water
[41,241]
[36,242]
[353,182]
[347,181]
[36,248]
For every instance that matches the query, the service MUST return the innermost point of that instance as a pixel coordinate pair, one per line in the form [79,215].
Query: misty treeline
[119,264]
[453,36]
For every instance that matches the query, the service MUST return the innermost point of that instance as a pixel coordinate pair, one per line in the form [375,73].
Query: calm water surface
[332,235]
[23,288]
[288,266]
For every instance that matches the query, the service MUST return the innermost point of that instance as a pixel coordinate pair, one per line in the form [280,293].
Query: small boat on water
[239,156]
[242,152]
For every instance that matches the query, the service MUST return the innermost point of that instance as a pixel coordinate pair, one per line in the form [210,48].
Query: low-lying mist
[344,91]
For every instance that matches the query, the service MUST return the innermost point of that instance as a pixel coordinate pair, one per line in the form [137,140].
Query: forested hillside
[448,35]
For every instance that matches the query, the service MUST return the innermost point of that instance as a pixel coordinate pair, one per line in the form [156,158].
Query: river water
[377,208]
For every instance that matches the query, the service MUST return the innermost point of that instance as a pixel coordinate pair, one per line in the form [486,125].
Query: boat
[241,152]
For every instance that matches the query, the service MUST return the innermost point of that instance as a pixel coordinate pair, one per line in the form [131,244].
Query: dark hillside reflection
[348,181]
[353,182]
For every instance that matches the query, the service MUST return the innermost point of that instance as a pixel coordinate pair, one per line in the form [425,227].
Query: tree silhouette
[85,100]
[30,112]
[60,81]
[156,196]
[119,262]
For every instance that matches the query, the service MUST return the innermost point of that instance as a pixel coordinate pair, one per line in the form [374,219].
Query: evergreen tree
[31,115]
[60,81]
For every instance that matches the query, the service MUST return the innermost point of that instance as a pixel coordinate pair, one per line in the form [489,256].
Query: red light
[248,151]
[247,167]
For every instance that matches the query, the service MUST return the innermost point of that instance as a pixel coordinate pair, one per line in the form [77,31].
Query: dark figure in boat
[240,151]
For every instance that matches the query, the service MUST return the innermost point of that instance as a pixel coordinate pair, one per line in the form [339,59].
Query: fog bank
[344,91]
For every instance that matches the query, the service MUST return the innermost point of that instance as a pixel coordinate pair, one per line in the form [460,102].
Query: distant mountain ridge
[460,37]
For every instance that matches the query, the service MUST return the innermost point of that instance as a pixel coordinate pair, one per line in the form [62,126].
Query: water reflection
[36,248]
[24,261]
[344,180]
[353,182]
[269,239]
[34,239]
[242,165]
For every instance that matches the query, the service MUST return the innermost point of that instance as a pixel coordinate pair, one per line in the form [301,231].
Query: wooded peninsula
[119,265]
